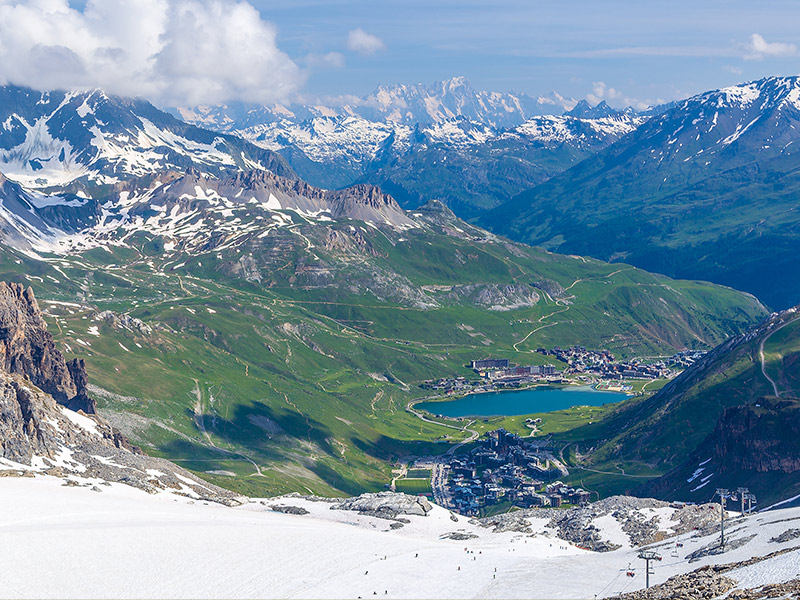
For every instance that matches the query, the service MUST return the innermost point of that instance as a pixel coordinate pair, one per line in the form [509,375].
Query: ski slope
[76,542]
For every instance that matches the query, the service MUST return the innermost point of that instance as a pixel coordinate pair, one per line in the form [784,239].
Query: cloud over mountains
[172,51]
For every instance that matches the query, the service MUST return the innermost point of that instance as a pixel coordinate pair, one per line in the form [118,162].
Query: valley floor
[71,542]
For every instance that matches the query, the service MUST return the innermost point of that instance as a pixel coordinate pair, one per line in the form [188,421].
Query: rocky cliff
[755,445]
[27,349]
[760,437]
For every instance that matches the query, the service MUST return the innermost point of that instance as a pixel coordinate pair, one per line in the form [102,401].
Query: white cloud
[364,43]
[600,91]
[171,51]
[732,69]
[757,48]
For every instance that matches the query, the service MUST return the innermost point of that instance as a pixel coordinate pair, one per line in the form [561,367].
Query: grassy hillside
[691,419]
[297,380]
[707,190]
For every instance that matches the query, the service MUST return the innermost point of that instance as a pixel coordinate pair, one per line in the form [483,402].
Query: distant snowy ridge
[564,128]
[328,140]
[405,104]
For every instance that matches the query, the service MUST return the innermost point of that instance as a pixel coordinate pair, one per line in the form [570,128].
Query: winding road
[542,318]
[763,360]
[473,434]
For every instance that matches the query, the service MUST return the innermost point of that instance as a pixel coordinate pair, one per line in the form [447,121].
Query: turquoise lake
[521,402]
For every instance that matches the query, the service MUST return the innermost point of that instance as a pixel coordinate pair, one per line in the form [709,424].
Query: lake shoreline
[527,393]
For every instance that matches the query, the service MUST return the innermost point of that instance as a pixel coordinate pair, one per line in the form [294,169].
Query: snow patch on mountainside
[562,129]
[192,210]
[41,159]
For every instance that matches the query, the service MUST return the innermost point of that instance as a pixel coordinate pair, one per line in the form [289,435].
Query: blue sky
[644,51]
[184,52]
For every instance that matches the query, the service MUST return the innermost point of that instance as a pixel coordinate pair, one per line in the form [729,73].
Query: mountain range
[413,139]
[705,190]
[400,103]
[268,332]
[239,318]
[700,188]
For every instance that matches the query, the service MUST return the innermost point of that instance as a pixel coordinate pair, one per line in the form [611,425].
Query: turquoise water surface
[540,399]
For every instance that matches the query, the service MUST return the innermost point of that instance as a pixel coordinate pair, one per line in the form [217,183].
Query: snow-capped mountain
[759,117]
[336,151]
[578,131]
[329,138]
[708,189]
[373,138]
[51,139]
[31,219]
[445,100]
[584,110]
[401,104]
[472,167]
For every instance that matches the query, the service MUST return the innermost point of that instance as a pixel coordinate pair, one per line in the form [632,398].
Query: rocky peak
[584,110]
[27,349]
[362,194]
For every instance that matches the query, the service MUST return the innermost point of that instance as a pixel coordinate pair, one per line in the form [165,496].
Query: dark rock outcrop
[577,525]
[786,536]
[289,510]
[751,444]
[81,400]
[27,349]
[759,437]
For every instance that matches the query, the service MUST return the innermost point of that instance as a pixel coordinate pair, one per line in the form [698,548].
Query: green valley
[284,362]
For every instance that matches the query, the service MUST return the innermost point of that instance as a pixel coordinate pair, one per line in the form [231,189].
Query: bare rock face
[27,348]
[496,296]
[81,400]
[386,505]
[764,437]
[703,584]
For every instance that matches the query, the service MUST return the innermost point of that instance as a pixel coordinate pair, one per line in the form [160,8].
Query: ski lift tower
[743,494]
[750,499]
[647,556]
[723,495]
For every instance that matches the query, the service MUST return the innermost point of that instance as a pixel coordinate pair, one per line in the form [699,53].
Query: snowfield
[76,542]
